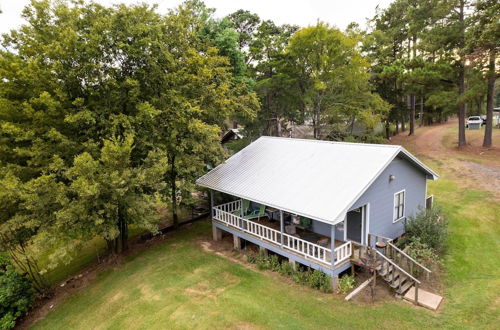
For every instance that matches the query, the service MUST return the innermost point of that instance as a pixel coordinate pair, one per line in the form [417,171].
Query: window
[399,206]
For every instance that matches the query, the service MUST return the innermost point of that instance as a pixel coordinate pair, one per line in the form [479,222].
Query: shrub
[319,280]
[251,258]
[421,252]
[429,227]
[286,269]
[300,277]
[346,283]
[316,279]
[16,294]
[274,263]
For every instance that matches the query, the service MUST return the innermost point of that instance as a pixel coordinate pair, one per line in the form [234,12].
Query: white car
[474,121]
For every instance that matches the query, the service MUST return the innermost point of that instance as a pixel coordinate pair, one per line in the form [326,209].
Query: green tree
[333,77]
[275,86]
[484,42]
[104,113]
[16,294]
[245,23]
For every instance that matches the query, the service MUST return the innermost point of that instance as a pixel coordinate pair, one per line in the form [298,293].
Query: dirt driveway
[472,166]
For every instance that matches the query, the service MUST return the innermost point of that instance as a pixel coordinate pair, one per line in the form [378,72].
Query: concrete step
[425,298]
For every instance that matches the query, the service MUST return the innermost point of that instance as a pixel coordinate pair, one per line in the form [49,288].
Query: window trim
[394,219]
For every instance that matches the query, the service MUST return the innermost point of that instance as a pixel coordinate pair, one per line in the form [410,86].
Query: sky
[299,12]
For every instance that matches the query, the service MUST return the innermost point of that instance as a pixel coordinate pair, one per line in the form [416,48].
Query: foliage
[315,279]
[427,227]
[421,252]
[16,294]
[333,77]
[107,113]
[236,145]
[346,283]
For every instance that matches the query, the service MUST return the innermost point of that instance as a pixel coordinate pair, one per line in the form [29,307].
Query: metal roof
[316,179]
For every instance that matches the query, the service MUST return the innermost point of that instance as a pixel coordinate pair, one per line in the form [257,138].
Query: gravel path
[473,166]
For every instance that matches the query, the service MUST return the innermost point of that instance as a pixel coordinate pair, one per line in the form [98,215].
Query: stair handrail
[410,258]
[395,265]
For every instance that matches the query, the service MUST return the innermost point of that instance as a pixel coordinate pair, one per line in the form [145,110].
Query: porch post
[282,225]
[211,203]
[332,237]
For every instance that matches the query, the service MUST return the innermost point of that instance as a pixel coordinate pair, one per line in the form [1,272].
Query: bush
[319,280]
[421,252]
[286,269]
[316,279]
[16,294]
[428,227]
[346,283]
[251,258]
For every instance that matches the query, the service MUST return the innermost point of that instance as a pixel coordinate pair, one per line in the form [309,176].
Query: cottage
[317,202]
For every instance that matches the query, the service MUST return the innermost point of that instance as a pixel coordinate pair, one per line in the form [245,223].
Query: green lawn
[178,285]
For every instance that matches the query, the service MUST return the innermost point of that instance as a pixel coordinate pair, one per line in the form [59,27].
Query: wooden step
[400,280]
[405,287]
[386,270]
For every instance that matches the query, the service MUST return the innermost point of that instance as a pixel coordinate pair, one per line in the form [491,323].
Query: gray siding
[380,195]
[321,228]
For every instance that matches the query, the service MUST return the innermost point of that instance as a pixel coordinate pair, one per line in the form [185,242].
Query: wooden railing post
[332,238]
[416,293]
[282,227]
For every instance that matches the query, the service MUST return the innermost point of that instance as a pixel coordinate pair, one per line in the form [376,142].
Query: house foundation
[237,242]
[216,233]
[335,283]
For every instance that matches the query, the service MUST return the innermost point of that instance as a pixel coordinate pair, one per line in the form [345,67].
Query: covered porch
[323,244]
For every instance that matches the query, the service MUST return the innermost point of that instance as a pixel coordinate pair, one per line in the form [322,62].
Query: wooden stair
[396,279]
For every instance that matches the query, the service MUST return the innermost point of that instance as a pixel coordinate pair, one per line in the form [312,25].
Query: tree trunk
[412,114]
[123,230]
[413,98]
[461,109]
[421,111]
[387,130]
[397,128]
[461,81]
[173,187]
[488,141]
[403,120]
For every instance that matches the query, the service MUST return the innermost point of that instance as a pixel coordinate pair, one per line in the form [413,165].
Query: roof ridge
[396,146]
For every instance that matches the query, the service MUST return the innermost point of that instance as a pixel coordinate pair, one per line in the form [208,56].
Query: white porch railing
[225,214]
[343,252]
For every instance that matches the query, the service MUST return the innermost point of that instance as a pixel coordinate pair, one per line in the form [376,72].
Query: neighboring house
[232,134]
[316,202]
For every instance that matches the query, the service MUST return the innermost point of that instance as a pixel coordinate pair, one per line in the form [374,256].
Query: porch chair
[245,205]
[291,230]
[256,214]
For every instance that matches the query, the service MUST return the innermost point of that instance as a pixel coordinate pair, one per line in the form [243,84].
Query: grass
[88,254]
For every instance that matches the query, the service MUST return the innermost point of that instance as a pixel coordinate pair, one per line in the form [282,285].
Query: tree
[276,89]
[484,41]
[16,294]
[333,77]
[105,113]
[245,23]
[446,41]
